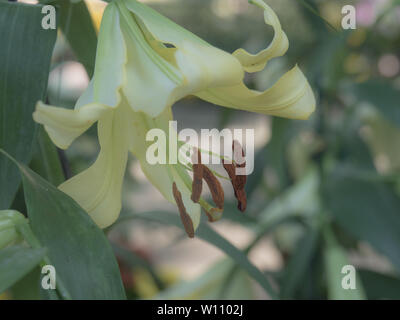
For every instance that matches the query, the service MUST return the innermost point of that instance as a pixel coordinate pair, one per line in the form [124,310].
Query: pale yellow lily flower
[144,64]
[120,130]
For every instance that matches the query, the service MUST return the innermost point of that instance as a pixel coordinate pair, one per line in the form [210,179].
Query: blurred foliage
[322,189]
[18,130]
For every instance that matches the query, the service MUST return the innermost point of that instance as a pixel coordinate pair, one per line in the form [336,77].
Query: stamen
[242,200]
[214,214]
[230,169]
[239,158]
[197,184]
[185,218]
[215,187]
[238,181]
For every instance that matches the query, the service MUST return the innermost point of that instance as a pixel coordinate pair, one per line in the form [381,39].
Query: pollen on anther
[238,181]
[185,218]
[197,184]
[215,187]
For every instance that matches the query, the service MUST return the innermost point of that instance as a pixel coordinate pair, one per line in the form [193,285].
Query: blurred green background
[325,192]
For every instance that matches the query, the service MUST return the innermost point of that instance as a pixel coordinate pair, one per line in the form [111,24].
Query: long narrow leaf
[209,235]
[25,53]
[81,254]
[16,262]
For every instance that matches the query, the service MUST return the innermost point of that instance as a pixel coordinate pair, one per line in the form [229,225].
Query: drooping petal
[277,48]
[65,125]
[204,66]
[98,189]
[149,79]
[161,27]
[190,66]
[219,67]
[86,97]
[110,59]
[290,97]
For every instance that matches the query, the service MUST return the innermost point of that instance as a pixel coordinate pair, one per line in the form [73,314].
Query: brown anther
[238,154]
[238,181]
[242,200]
[215,187]
[209,216]
[186,220]
[239,158]
[230,169]
[197,184]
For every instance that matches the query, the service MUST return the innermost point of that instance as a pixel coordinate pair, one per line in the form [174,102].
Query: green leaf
[78,249]
[25,54]
[77,26]
[273,155]
[325,62]
[310,7]
[16,262]
[299,263]
[366,208]
[335,260]
[208,285]
[209,235]
[383,138]
[380,286]
[28,287]
[48,294]
[45,160]
[354,150]
[232,213]
[300,200]
[380,94]
[133,260]
[282,131]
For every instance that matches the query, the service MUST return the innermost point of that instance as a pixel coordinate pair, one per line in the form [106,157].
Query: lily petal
[110,59]
[277,48]
[98,189]
[65,125]
[86,97]
[219,67]
[146,72]
[290,97]
[190,66]
[158,174]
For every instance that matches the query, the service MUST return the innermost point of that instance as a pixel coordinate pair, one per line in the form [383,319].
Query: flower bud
[9,219]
